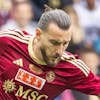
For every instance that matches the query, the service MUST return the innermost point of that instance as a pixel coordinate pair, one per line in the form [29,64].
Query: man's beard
[46,59]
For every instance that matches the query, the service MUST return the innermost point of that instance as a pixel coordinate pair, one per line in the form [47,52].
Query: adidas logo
[19,62]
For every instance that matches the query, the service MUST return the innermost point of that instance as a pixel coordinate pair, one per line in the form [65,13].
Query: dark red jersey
[23,77]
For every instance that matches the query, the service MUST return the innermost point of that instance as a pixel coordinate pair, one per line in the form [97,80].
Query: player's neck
[37,51]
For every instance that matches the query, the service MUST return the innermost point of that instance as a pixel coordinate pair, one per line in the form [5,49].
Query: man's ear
[38,32]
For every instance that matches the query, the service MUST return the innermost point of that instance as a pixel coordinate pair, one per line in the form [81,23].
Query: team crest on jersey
[9,86]
[30,79]
[50,77]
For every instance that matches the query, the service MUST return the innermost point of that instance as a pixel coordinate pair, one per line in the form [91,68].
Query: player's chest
[31,81]
[37,87]
[31,86]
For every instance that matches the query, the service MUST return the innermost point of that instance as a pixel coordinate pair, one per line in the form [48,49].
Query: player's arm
[3,47]
[84,80]
[3,44]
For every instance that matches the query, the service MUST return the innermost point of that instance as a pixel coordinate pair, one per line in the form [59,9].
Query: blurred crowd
[85,17]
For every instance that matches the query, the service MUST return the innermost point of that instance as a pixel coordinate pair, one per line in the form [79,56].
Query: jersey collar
[31,52]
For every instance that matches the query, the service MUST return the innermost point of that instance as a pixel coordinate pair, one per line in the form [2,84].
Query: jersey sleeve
[3,44]
[7,38]
[81,78]
[84,80]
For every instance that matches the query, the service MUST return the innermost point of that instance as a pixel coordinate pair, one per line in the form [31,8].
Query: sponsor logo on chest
[30,79]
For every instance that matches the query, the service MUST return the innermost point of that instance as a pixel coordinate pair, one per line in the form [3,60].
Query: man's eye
[65,43]
[55,42]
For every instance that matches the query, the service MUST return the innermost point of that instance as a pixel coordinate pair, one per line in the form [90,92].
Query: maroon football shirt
[23,77]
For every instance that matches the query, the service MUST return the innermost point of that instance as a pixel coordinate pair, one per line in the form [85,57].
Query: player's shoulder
[75,61]
[69,56]
[18,35]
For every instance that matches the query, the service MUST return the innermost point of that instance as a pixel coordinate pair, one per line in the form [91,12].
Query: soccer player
[38,68]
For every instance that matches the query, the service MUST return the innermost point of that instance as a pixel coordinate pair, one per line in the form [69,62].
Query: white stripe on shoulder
[82,63]
[15,32]
[80,67]
[16,35]
[77,62]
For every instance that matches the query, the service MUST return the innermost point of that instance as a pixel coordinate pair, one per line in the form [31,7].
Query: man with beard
[38,68]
